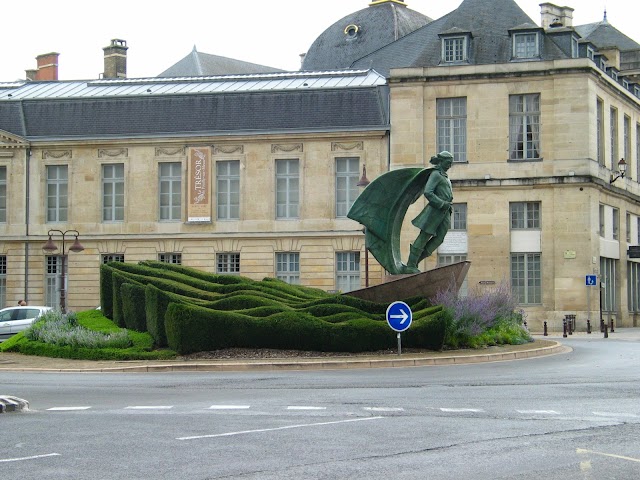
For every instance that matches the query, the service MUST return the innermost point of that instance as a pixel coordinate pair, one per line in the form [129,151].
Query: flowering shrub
[482,317]
[58,329]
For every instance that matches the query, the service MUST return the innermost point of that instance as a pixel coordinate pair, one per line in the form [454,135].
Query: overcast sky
[158,34]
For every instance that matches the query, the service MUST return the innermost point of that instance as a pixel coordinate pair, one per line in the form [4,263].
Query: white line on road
[539,412]
[384,409]
[611,414]
[229,434]
[461,410]
[149,407]
[631,459]
[67,409]
[229,407]
[302,407]
[34,457]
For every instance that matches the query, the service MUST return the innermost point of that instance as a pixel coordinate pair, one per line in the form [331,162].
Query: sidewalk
[541,346]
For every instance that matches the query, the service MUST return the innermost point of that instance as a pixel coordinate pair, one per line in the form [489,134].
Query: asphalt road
[569,416]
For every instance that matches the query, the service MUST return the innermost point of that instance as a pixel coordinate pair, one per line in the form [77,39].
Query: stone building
[254,173]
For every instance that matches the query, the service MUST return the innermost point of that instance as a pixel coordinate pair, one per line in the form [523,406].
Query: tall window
[3,197]
[600,130]
[616,224]
[113,193]
[601,218]
[524,127]
[288,267]
[614,135]
[575,47]
[347,171]
[57,193]
[608,278]
[459,216]
[228,187]
[454,49]
[525,45]
[347,271]
[638,152]
[112,257]
[633,286]
[3,280]
[456,258]
[175,258]
[525,215]
[170,188]
[526,279]
[228,263]
[452,127]
[287,188]
[52,281]
[628,227]
[627,138]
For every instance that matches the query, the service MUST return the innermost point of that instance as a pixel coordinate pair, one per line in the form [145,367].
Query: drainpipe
[27,218]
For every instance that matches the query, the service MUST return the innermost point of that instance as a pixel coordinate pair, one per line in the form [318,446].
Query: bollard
[612,325]
[606,331]
[545,329]
[588,326]
[569,325]
[564,328]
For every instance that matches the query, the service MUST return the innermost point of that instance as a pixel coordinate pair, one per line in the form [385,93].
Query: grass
[87,324]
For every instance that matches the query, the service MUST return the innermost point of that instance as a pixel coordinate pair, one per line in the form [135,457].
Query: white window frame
[288,267]
[602,221]
[600,131]
[454,49]
[626,134]
[53,268]
[113,192]
[616,223]
[228,189]
[591,53]
[524,127]
[287,188]
[57,208]
[451,258]
[173,258]
[608,272]
[525,215]
[575,47]
[451,121]
[3,196]
[613,131]
[347,271]
[228,263]
[459,217]
[170,191]
[526,45]
[3,280]
[633,286]
[347,177]
[526,280]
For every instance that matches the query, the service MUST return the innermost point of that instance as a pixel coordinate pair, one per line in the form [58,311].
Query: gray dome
[361,33]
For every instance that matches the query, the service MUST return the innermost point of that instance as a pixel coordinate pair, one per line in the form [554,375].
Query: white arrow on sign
[404,316]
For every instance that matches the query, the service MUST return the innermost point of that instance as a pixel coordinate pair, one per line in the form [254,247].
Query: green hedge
[133,307]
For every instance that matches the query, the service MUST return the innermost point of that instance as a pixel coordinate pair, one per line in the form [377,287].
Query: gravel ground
[262,353]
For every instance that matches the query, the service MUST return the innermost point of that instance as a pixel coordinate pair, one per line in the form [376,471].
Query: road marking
[302,407]
[229,407]
[262,430]
[67,409]
[581,450]
[384,409]
[623,415]
[149,407]
[461,410]
[539,412]
[34,457]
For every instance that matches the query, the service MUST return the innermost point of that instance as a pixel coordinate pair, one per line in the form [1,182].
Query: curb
[12,404]
[315,364]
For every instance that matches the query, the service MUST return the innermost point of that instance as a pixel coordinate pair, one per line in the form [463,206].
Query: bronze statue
[382,206]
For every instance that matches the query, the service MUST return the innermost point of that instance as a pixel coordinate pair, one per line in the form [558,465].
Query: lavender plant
[472,316]
[63,330]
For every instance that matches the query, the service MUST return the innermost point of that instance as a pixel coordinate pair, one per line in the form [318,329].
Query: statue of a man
[435,218]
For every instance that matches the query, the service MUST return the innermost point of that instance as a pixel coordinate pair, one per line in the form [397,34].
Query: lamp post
[363,182]
[50,247]
[622,169]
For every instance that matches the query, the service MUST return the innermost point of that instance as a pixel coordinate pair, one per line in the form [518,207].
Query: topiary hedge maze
[190,311]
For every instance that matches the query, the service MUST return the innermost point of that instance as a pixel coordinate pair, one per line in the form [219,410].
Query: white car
[17,319]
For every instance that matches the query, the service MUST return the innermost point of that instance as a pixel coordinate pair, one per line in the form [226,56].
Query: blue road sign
[591,280]
[399,316]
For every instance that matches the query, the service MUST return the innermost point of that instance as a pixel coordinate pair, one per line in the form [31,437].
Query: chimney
[115,59]
[553,16]
[47,68]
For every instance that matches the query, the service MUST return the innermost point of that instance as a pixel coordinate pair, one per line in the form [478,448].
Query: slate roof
[327,107]
[378,25]
[198,64]
[603,34]
[489,22]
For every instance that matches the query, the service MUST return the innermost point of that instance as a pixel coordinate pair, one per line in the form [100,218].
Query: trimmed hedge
[134,307]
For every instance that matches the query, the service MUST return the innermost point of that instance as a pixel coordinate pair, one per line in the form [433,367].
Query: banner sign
[199,193]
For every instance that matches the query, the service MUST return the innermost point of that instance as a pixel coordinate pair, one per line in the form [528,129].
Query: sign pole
[399,344]
[399,317]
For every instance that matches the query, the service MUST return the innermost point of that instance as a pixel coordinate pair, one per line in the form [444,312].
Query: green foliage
[133,307]
[106,289]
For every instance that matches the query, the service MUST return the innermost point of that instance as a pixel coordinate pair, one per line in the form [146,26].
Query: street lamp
[363,182]
[622,169]
[50,247]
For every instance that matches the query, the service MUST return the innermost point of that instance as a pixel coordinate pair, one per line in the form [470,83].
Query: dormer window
[603,65]
[591,53]
[455,46]
[525,45]
[575,50]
